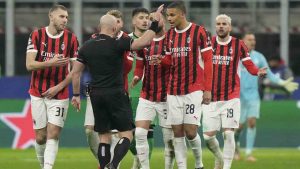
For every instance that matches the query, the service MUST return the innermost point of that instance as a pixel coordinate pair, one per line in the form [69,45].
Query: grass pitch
[81,158]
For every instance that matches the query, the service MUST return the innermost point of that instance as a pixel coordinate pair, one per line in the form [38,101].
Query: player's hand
[289,84]
[76,102]
[51,92]
[262,72]
[158,14]
[134,81]
[58,60]
[206,97]
[155,60]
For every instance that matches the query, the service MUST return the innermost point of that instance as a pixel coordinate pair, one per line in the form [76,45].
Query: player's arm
[78,67]
[128,60]
[288,84]
[247,62]
[139,68]
[149,34]
[206,56]
[32,64]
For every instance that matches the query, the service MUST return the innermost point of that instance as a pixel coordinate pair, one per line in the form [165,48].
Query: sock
[180,152]
[150,141]
[197,151]
[142,147]
[104,154]
[136,163]
[228,150]
[132,147]
[237,134]
[93,141]
[213,145]
[169,147]
[250,139]
[40,150]
[120,151]
[50,153]
[114,140]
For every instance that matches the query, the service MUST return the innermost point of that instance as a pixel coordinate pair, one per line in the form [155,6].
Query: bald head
[108,24]
[108,21]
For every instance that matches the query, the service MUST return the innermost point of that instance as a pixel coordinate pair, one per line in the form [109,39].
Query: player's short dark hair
[116,13]
[178,5]
[247,33]
[56,7]
[136,11]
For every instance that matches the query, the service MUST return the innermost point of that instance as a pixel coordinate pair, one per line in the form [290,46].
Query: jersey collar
[54,36]
[183,30]
[224,43]
[159,39]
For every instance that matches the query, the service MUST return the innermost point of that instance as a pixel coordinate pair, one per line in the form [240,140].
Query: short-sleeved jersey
[226,71]
[134,92]
[103,57]
[155,77]
[47,46]
[128,59]
[187,68]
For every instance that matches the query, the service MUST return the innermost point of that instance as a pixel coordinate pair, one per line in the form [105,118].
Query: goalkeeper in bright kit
[250,100]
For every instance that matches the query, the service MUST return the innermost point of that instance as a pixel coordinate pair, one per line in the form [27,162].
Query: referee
[110,102]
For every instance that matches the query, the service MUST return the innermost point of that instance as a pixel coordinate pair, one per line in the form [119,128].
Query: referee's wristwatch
[76,94]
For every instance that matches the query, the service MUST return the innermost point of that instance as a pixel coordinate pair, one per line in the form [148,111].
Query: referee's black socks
[104,154]
[120,151]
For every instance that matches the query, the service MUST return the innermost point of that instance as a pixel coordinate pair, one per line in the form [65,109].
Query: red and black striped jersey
[226,73]
[128,59]
[155,77]
[47,46]
[191,59]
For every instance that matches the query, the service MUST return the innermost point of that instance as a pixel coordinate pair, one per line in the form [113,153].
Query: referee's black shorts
[112,110]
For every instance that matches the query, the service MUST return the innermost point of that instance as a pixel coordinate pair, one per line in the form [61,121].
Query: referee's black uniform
[104,58]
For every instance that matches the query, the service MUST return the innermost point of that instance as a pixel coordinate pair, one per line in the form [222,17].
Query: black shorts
[112,110]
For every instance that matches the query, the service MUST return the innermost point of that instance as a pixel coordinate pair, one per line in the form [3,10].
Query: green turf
[81,158]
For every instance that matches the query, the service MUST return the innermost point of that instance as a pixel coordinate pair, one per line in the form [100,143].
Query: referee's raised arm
[147,37]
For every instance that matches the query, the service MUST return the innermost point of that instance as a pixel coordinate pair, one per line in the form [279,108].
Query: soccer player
[140,22]
[49,52]
[152,101]
[188,50]
[109,100]
[250,100]
[224,110]
[92,136]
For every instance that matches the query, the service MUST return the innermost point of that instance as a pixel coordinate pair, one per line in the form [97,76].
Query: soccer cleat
[200,168]
[250,158]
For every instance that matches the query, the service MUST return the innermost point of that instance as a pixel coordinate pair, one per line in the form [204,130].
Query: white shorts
[221,114]
[147,110]
[45,110]
[89,119]
[185,109]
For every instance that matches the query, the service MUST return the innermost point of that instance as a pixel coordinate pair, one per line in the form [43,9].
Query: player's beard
[59,28]
[222,36]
